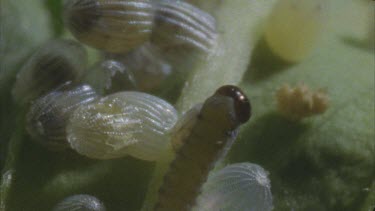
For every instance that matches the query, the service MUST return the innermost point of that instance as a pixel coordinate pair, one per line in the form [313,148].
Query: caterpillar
[213,131]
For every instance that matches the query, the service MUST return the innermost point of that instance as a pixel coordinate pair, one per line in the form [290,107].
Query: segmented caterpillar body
[214,131]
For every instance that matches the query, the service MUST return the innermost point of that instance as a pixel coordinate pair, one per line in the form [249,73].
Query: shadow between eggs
[264,63]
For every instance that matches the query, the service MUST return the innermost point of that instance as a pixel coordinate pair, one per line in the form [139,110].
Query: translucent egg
[147,65]
[180,24]
[52,65]
[124,123]
[110,25]
[81,202]
[110,76]
[48,115]
[237,187]
[294,26]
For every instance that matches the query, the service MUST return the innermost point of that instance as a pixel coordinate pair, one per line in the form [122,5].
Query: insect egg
[110,76]
[52,65]
[82,202]
[148,66]
[178,23]
[294,26]
[124,123]
[48,115]
[110,25]
[300,102]
[240,186]
[210,135]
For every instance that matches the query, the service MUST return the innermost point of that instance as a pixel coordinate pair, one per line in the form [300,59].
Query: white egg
[237,187]
[124,123]
[81,202]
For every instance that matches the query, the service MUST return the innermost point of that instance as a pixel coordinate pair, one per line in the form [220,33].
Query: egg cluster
[102,111]
[296,103]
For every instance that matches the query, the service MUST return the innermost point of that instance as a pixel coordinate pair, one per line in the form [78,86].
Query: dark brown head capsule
[241,103]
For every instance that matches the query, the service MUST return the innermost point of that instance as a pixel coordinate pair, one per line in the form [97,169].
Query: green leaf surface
[325,162]
[238,25]
[321,163]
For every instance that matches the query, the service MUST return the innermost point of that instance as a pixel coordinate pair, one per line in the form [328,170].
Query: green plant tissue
[325,162]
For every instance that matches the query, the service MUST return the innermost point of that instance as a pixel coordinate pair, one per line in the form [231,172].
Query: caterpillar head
[228,107]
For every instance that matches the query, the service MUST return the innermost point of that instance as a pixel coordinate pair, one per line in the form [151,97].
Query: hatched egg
[240,186]
[48,115]
[110,76]
[124,123]
[81,202]
[180,24]
[110,25]
[52,65]
[148,66]
[294,26]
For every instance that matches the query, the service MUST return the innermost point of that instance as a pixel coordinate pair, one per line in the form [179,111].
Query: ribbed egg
[180,24]
[124,123]
[110,25]
[48,115]
[81,202]
[240,186]
[52,65]
[110,76]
